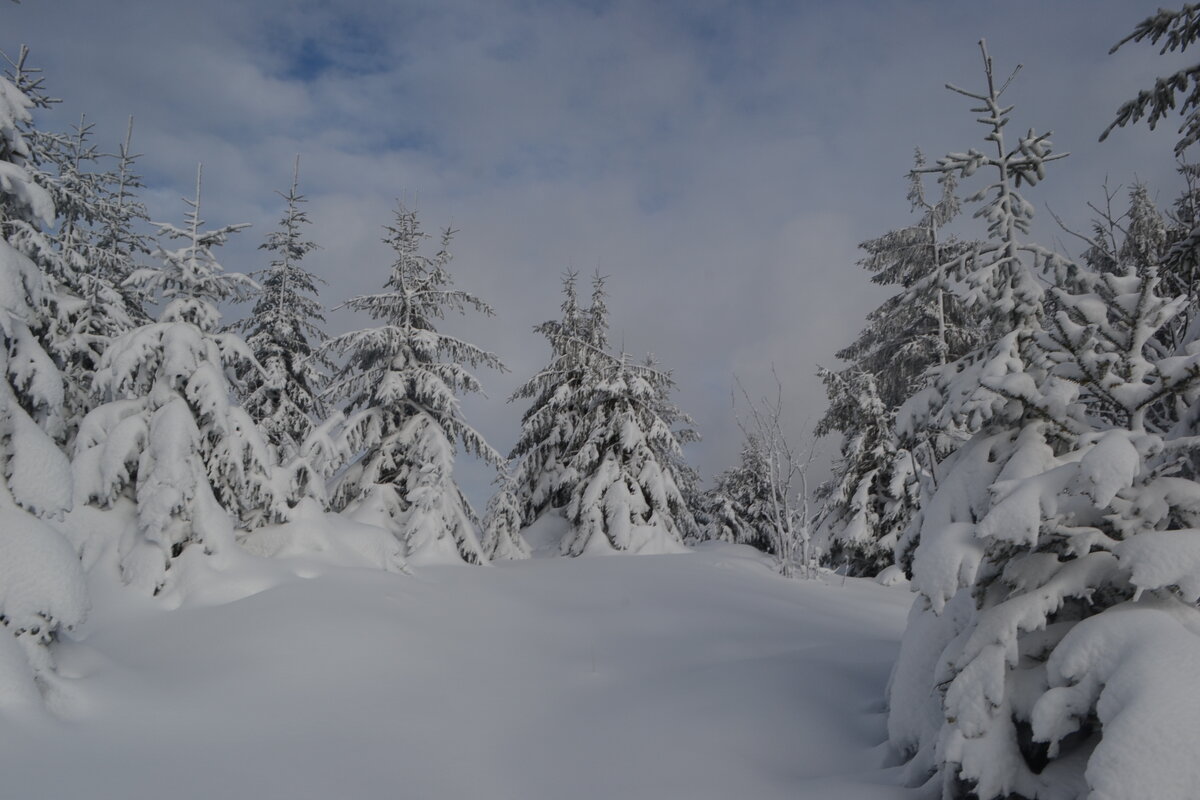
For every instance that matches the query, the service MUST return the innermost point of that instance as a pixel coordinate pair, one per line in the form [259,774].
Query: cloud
[718,160]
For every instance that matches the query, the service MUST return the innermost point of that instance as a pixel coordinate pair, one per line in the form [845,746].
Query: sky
[719,161]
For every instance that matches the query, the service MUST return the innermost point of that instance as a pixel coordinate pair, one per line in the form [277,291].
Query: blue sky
[718,160]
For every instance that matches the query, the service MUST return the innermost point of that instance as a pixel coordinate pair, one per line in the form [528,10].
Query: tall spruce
[875,488]
[543,477]
[284,335]
[402,380]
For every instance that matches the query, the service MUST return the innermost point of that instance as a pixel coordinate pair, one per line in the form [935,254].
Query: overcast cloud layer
[720,161]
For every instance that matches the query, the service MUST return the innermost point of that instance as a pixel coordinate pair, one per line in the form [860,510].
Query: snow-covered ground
[698,675]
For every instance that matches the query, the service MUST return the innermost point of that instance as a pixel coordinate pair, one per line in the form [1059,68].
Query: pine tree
[1026,625]
[284,336]
[168,436]
[859,523]
[402,380]
[42,588]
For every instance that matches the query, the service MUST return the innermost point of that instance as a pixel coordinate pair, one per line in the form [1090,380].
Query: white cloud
[719,160]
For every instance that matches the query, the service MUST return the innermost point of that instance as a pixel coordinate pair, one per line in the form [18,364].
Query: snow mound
[891,575]
[1136,665]
[328,539]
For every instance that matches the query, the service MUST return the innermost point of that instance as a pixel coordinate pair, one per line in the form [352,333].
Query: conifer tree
[42,588]
[1055,514]
[402,379]
[1178,93]
[737,505]
[169,437]
[875,489]
[627,495]
[543,478]
[502,539]
[284,335]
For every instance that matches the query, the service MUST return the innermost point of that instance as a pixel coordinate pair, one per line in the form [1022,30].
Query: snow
[701,676]
[1136,664]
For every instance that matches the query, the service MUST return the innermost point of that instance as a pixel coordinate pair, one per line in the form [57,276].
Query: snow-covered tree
[778,478]
[283,333]
[1178,93]
[602,439]
[502,538]
[402,380]
[626,494]
[169,436]
[875,488]
[1056,534]
[737,506]
[42,589]
[1058,543]
[82,262]
[543,478]
[120,243]
[870,497]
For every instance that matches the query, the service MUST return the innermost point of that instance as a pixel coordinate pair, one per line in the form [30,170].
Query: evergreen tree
[1177,30]
[875,488]
[42,588]
[1045,523]
[602,439]
[168,436]
[543,478]
[89,309]
[502,538]
[1035,551]
[282,332]
[402,378]
[627,494]
[119,242]
[738,504]
[860,519]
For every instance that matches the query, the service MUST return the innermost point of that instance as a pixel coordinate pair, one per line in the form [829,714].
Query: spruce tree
[284,335]
[42,588]
[543,478]
[401,380]
[875,488]
[1178,93]
[1064,504]
[502,538]
[737,506]
[168,437]
[627,494]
